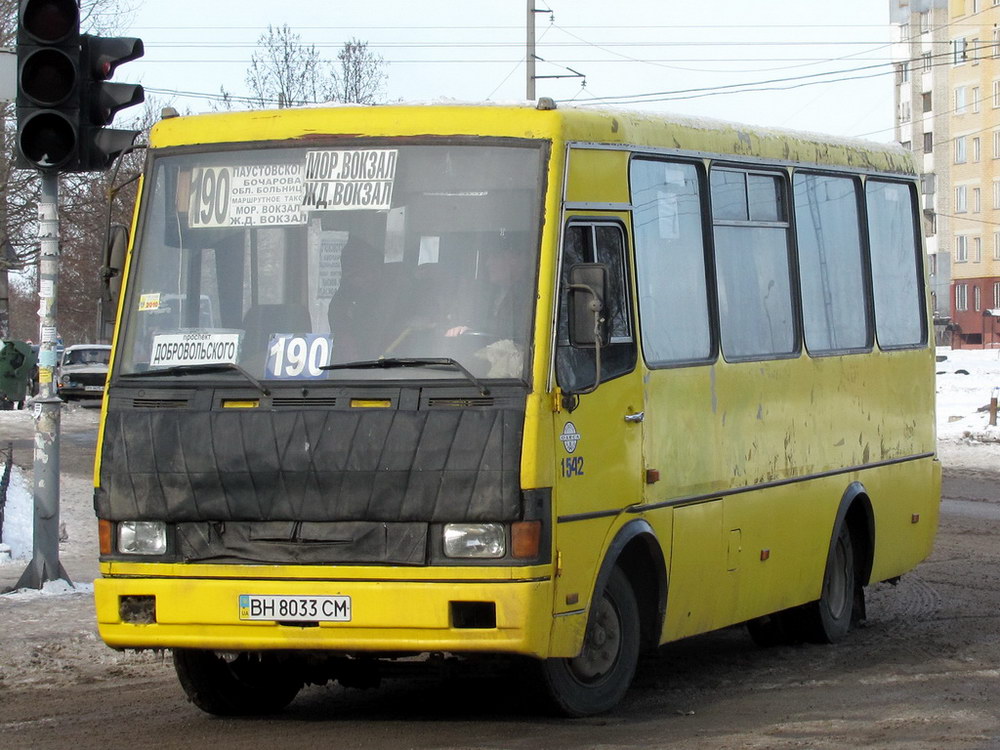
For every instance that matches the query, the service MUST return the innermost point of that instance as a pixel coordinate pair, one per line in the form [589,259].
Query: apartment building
[947,58]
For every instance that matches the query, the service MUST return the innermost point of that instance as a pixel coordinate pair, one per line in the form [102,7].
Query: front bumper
[396,616]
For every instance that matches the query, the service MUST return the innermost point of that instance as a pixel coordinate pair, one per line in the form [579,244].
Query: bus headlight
[142,537]
[483,540]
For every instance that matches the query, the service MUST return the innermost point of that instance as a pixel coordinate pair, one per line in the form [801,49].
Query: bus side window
[595,243]
[671,273]
[897,274]
[756,311]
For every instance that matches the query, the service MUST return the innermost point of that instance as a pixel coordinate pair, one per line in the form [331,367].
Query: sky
[637,54]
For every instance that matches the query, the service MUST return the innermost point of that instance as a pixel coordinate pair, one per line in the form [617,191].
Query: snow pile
[18,518]
[966,380]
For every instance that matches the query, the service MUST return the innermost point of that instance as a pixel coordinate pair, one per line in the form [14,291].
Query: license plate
[295,608]
[93,388]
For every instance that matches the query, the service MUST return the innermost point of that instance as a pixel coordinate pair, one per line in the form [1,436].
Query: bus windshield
[286,260]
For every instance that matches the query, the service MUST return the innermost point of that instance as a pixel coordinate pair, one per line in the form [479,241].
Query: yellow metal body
[753,458]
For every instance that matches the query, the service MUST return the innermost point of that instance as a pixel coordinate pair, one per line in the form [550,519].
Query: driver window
[595,243]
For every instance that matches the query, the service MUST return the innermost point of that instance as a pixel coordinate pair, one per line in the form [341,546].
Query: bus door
[598,431]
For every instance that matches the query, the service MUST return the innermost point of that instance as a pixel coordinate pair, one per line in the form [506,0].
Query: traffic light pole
[45,565]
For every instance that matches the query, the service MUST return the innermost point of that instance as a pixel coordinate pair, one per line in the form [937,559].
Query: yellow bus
[527,381]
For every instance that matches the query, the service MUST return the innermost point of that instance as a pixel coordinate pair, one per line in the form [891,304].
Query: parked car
[82,371]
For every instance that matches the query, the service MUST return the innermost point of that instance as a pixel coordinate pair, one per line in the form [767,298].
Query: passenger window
[831,268]
[756,313]
[670,262]
[897,273]
[595,243]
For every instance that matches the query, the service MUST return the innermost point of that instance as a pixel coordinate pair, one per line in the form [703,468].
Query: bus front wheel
[247,685]
[598,678]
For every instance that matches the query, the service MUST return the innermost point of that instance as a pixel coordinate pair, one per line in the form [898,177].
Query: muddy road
[923,674]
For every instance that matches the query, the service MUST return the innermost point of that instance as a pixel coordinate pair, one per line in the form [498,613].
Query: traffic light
[100,99]
[64,97]
[48,85]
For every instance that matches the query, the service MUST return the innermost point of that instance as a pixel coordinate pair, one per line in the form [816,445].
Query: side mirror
[111,275]
[587,285]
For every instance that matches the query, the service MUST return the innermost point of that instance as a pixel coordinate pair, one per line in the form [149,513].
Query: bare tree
[359,75]
[285,72]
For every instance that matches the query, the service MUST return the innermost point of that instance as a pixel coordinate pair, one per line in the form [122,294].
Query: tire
[597,679]
[249,685]
[828,619]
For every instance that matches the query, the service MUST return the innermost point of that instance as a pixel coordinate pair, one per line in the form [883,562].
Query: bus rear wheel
[828,619]
[597,679]
[247,685]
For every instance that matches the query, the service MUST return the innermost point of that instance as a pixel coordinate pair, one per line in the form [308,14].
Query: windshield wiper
[390,362]
[207,367]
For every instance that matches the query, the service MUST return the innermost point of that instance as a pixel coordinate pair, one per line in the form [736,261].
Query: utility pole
[45,565]
[529,57]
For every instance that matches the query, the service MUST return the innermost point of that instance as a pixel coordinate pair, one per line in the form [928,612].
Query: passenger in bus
[356,312]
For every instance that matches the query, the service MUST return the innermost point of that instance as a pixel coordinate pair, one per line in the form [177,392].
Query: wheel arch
[856,511]
[636,549]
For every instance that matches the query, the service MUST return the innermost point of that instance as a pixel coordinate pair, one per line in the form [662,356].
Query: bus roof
[610,127]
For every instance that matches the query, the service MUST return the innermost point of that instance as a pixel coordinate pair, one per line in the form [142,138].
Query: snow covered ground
[966,380]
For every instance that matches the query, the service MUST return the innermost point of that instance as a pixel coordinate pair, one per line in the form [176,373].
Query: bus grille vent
[458,403]
[159,403]
[287,402]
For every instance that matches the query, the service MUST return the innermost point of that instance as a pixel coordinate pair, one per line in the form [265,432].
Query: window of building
[903,73]
[996,94]
[961,248]
[961,297]
[960,100]
[929,142]
[831,266]
[927,101]
[977,298]
[996,193]
[976,149]
[961,199]
[977,205]
[756,312]
[974,97]
[996,291]
[996,42]
[927,61]
[977,249]
[927,183]
[973,51]
[959,50]
[925,21]
[960,155]
[996,245]
[996,144]
[904,111]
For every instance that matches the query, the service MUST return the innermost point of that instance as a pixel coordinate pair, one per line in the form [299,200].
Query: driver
[498,309]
